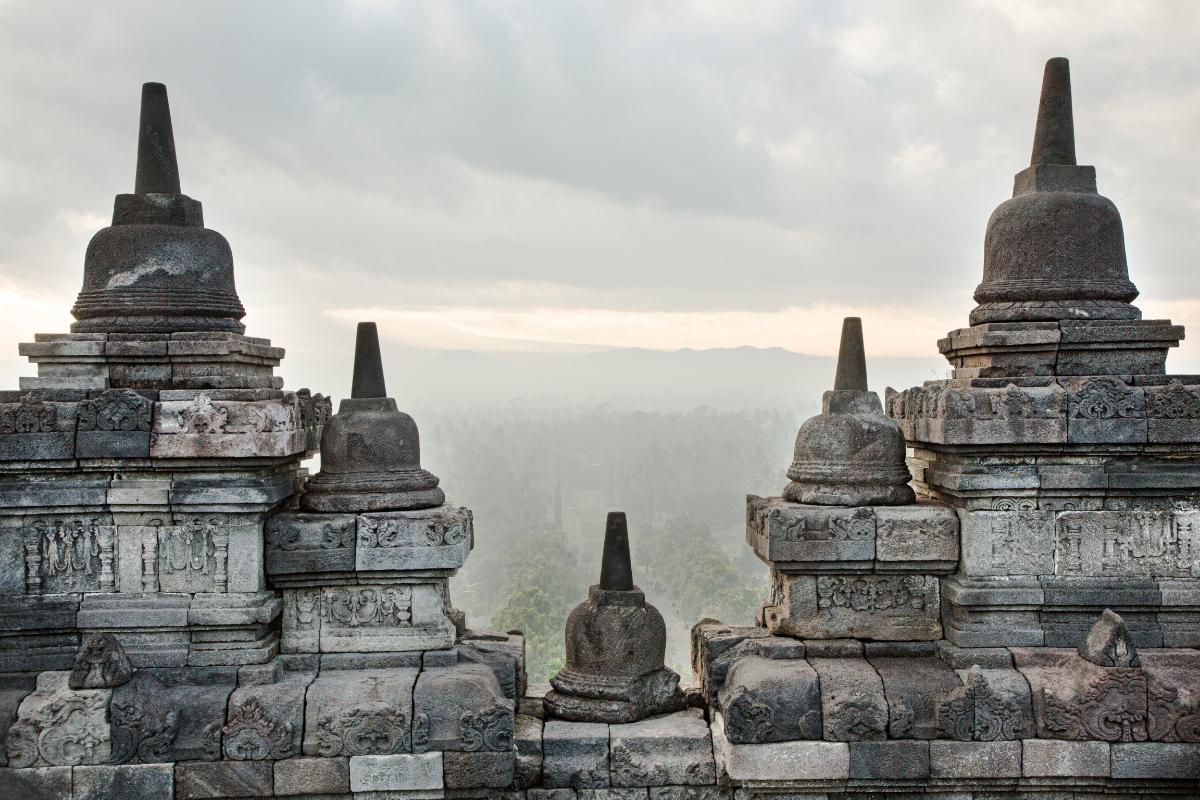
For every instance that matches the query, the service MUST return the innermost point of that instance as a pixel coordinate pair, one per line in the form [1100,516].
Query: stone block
[359,712]
[198,780]
[36,430]
[884,607]
[306,543]
[128,782]
[1156,760]
[384,617]
[301,624]
[503,652]
[266,721]
[575,755]
[993,704]
[551,794]
[996,543]
[41,783]
[335,661]
[264,674]
[613,794]
[461,708]
[791,535]
[967,657]
[114,424]
[430,539]
[527,741]
[1127,544]
[14,687]
[137,546]
[853,706]
[171,714]
[75,553]
[152,628]
[917,538]
[770,700]
[669,749]
[948,759]
[60,726]
[12,562]
[1105,410]
[710,641]
[779,761]
[1050,758]
[914,688]
[690,793]
[491,769]
[890,760]
[312,776]
[207,428]
[402,772]
[245,572]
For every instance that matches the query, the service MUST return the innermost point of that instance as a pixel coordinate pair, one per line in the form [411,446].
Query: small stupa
[157,269]
[370,450]
[616,646]
[851,454]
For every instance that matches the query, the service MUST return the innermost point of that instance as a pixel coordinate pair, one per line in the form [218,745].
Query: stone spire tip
[368,364]
[157,169]
[616,569]
[1054,138]
[851,373]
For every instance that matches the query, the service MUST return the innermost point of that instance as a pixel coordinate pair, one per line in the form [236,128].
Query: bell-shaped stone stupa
[851,454]
[1056,250]
[157,269]
[370,450]
[616,643]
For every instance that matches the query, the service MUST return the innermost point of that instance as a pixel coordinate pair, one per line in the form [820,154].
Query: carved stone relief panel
[193,557]
[69,554]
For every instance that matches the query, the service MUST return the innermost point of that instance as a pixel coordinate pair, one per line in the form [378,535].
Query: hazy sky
[654,174]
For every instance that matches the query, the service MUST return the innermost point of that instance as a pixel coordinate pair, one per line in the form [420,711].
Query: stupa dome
[157,269]
[851,454]
[370,450]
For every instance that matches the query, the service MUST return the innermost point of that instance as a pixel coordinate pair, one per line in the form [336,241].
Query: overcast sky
[532,174]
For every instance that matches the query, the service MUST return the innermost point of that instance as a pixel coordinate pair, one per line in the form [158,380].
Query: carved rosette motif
[116,410]
[1106,398]
[370,729]
[869,593]
[748,721]
[251,734]
[489,729]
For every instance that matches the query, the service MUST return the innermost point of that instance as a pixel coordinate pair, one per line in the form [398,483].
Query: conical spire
[1054,138]
[157,169]
[851,373]
[368,364]
[616,569]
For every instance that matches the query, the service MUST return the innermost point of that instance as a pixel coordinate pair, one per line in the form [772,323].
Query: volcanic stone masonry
[983,587]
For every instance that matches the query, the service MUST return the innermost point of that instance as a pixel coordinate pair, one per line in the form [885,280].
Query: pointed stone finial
[157,169]
[1054,138]
[851,373]
[1108,644]
[368,364]
[616,569]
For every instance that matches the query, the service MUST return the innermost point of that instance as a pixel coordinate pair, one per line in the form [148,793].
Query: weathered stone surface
[914,688]
[114,424]
[1127,544]
[992,704]
[36,430]
[891,760]
[307,543]
[461,708]
[853,707]
[715,648]
[575,755]
[396,773]
[779,761]
[60,726]
[476,770]
[312,776]
[794,536]
[1049,758]
[616,645]
[232,628]
[1104,410]
[1156,760]
[669,749]
[266,721]
[1107,644]
[207,428]
[504,653]
[887,607]
[941,414]
[41,783]
[74,553]
[126,782]
[920,538]
[14,687]
[164,715]
[152,628]
[435,538]
[384,617]
[974,759]
[527,741]
[612,794]
[690,793]
[198,780]
[770,700]
[359,712]
[996,543]
[101,664]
